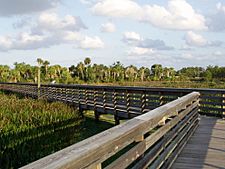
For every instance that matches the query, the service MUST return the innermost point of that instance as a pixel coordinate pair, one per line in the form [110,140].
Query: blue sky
[174,33]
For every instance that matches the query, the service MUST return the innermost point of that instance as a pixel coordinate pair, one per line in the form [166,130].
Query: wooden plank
[128,157]
[206,148]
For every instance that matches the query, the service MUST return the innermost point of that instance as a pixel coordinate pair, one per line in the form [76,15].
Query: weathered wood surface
[206,148]
[157,135]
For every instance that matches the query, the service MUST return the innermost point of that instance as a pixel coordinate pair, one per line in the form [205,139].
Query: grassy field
[173,84]
[31,129]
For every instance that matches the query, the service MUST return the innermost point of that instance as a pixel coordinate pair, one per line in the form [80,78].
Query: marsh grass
[31,129]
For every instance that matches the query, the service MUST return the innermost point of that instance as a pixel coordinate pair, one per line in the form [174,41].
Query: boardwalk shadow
[206,148]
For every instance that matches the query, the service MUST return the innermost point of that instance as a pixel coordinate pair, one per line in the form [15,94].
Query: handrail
[133,100]
[173,123]
[122,87]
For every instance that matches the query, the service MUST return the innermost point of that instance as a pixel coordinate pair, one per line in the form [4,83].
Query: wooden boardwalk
[206,148]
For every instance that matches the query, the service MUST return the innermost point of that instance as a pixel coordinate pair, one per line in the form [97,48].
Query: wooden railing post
[160,98]
[97,115]
[143,102]
[128,103]
[116,118]
[104,100]
[86,97]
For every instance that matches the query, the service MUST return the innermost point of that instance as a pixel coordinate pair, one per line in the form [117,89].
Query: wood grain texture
[206,148]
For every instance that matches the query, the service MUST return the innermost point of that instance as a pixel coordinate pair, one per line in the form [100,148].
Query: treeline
[86,72]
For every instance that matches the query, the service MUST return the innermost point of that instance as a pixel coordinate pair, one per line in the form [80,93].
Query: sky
[174,33]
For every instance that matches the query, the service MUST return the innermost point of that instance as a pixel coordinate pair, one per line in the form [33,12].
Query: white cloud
[135,39]
[193,39]
[216,22]
[5,42]
[197,40]
[49,30]
[71,36]
[131,37]
[22,41]
[20,7]
[140,51]
[108,27]
[177,15]
[117,8]
[220,7]
[91,43]
[51,21]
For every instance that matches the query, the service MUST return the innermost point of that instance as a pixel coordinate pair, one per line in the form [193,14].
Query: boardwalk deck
[206,148]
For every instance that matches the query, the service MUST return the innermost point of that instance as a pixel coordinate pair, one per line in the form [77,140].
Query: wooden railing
[123,102]
[153,139]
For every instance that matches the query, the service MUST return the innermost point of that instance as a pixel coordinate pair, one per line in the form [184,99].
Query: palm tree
[131,73]
[141,73]
[87,61]
[40,63]
[80,68]
[4,72]
[157,71]
[46,64]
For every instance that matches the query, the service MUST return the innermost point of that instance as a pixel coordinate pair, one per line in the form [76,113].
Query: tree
[46,64]
[157,70]
[207,75]
[40,62]
[80,69]
[87,61]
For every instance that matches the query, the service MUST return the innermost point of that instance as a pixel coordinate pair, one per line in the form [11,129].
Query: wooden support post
[81,111]
[117,120]
[97,116]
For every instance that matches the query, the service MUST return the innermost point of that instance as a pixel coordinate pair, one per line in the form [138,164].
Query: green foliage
[30,129]
[86,72]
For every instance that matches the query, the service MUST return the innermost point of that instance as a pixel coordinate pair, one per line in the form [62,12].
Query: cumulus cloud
[216,22]
[197,40]
[155,44]
[51,22]
[22,41]
[20,7]
[131,37]
[49,30]
[140,51]
[178,14]
[117,8]
[108,27]
[135,39]
[91,43]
